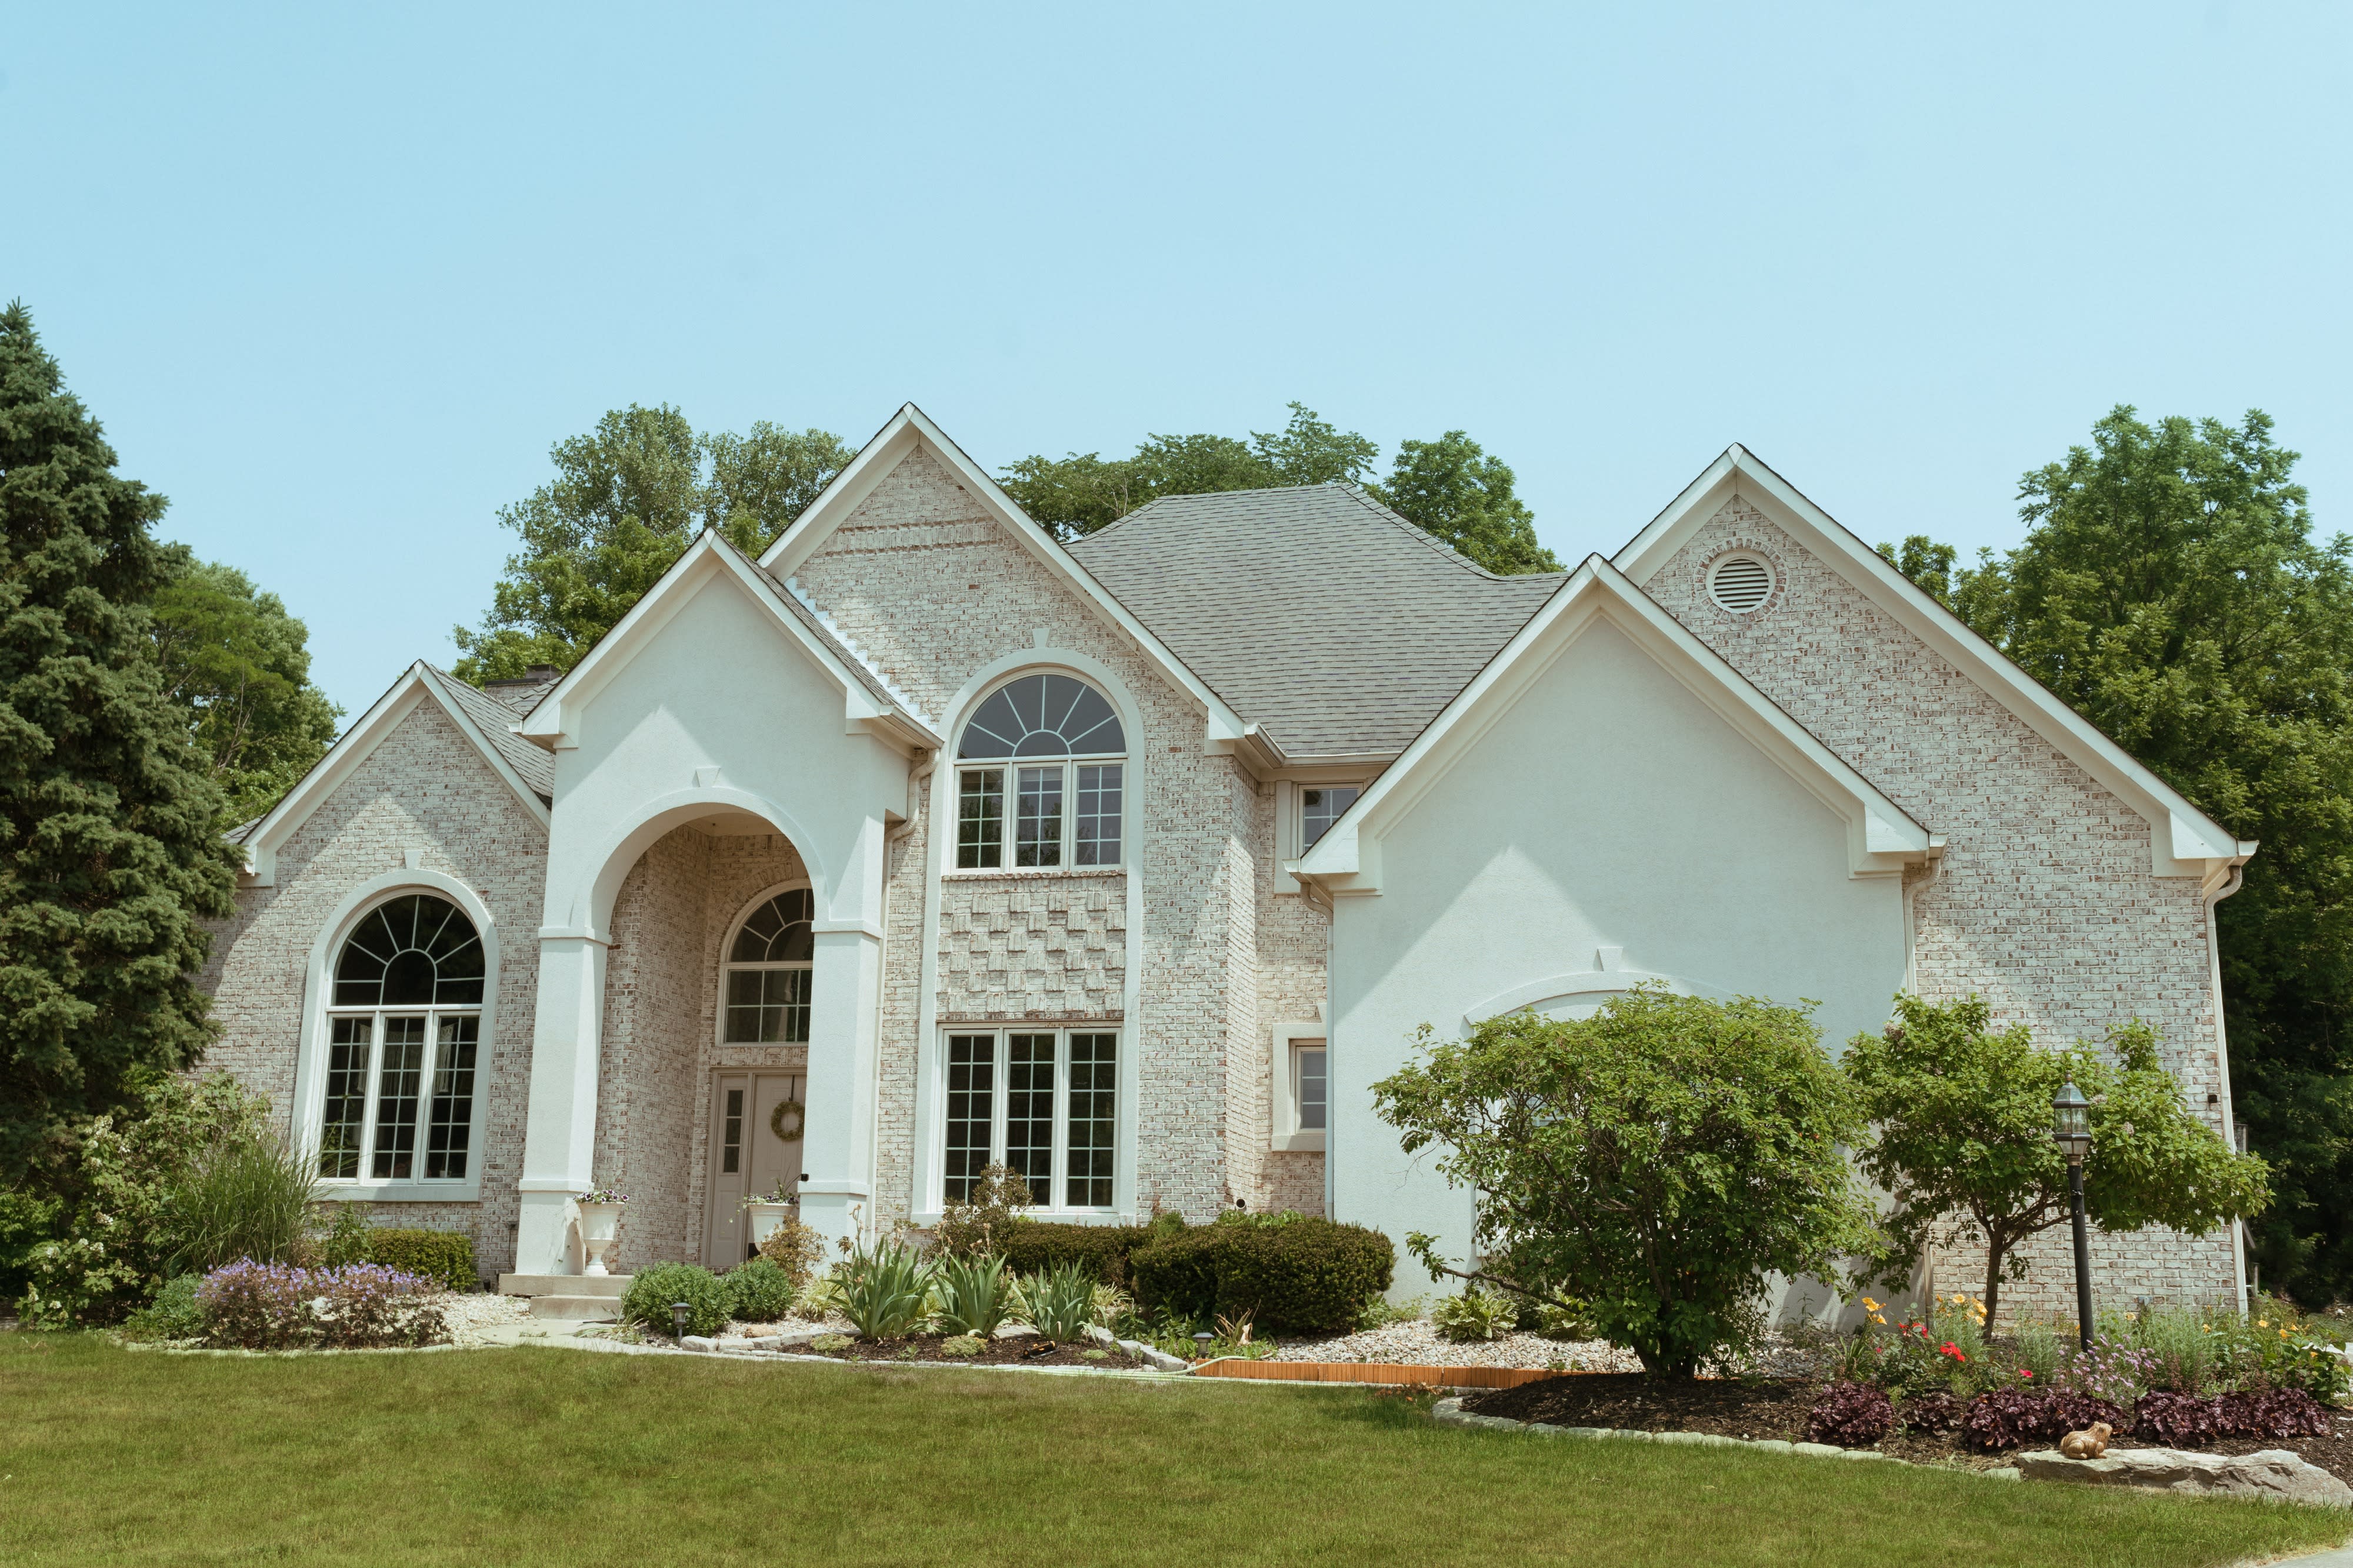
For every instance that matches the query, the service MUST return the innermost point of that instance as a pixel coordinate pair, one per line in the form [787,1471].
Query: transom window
[1320,808]
[767,973]
[1043,1102]
[404,1034]
[1049,779]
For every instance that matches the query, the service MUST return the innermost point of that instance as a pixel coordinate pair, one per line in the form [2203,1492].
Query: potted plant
[766,1211]
[600,1219]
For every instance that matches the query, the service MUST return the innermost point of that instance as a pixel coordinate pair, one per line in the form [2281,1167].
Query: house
[926,841]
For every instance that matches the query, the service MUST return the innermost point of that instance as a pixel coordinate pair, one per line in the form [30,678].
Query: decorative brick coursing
[931,590]
[671,920]
[425,786]
[2044,903]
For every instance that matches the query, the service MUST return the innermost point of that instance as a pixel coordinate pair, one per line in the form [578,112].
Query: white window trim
[1070,763]
[1284,1129]
[1056,1209]
[727,944]
[1291,821]
[311,1059]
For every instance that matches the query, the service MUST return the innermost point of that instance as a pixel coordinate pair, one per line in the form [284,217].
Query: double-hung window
[1044,1102]
[404,1041]
[1041,778]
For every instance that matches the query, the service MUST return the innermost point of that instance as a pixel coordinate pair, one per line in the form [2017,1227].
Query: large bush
[1286,1273]
[1039,1246]
[652,1291]
[446,1257]
[759,1290]
[1652,1164]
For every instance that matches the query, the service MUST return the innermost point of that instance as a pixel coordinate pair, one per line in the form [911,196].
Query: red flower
[1952,1350]
[2026,1372]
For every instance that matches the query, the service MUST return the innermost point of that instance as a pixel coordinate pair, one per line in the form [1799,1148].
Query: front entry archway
[752,1115]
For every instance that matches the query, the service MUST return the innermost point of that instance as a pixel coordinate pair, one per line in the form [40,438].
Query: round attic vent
[1739,582]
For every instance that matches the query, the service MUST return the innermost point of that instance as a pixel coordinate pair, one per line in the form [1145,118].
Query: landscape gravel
[469,1315]
[1415,1341]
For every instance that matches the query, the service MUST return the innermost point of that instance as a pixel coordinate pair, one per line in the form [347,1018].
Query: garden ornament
[2086,1444]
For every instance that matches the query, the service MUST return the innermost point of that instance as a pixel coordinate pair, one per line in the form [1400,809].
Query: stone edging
[1450,1412]
[169,1347]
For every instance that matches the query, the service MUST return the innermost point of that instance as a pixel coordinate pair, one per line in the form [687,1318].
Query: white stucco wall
[1608,809]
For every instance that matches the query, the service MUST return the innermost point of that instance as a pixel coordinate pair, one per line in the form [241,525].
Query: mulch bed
[1778,1407]
[1022,1351]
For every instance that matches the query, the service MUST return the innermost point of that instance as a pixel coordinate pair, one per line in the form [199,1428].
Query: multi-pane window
[1308,1065]
[1319,808]
[1051,743]
[1044,1104]
[767,973]
[404,1036]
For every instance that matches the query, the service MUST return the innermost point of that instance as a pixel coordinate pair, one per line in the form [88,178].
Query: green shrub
[650,1293]
[1294,1274]
[346,1238]
[247,1195]
[884,1290]
[795,1249]
[446,1255]
[975,1294]
[1059,1303]
[759,1291]
[975,1227]
[1474,1316]
[1036,1246]
[174,1314]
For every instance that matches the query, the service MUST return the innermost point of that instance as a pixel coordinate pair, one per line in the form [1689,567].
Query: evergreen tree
[109,854]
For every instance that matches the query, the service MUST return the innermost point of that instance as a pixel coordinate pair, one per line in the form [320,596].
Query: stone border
[1450,1412]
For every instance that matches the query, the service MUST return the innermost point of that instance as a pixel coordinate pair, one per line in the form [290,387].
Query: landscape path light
[2072,1131]
[679,1310]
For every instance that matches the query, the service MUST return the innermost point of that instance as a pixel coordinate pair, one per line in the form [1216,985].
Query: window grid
[1312,1091]
[731,1151]
[1097,815]
[1319,808]
[450,1126]
[344,1120]
[1037,821]
[402,1065]
[1039,1103]
[980,818]
[400,1073]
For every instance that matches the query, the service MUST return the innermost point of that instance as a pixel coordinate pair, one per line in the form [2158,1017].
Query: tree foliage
[109,855]
[1961,1138]
[239,665]
[1453,489]
[627,500]
[2170,588]
[1647,1166]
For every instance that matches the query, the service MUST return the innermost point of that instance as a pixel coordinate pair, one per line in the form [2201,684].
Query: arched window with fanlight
[1041,764]
[404,1039]
[766,982]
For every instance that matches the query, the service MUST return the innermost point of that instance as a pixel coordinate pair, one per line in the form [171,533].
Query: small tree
[1647,1166]
[1962,1138]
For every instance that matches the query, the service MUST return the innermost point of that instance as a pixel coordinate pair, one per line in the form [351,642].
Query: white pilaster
[560,1129]
[838,1146]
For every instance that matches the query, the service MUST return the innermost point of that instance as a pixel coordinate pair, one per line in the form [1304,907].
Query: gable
[1881,838]
[481,720]
[2184,841]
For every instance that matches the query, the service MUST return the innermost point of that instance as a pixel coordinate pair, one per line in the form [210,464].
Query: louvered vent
[1740,584]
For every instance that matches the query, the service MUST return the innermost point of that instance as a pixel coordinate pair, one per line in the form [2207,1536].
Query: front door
[750,1155]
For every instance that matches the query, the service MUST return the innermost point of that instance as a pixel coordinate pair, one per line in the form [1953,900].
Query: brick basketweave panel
[2043,903]
[1375,1372]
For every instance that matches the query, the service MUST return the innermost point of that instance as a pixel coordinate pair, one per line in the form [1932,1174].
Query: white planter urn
[763,1218]
[598,1225]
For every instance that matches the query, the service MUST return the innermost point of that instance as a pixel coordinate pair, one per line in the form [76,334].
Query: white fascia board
[2184,841]
[1881,837]
[911,427]
[416,685]
[554,722]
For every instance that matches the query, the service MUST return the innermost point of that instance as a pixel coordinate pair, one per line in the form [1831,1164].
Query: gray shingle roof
[1316,612]
[535,767]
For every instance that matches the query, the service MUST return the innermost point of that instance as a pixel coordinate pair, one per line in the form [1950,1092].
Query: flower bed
[1013,1350]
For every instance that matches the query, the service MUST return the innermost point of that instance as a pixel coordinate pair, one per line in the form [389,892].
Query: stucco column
[838,1142]
[560,1126]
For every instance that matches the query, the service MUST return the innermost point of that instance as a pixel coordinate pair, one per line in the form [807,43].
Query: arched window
[1053,744]
[403,1034]
[767,973]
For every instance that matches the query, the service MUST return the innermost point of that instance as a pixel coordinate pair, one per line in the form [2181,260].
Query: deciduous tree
[1453,489]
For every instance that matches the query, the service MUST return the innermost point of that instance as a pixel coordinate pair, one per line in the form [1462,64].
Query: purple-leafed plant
[1933,1411]
[2184,1419]
[2013,1417]
[247,1305]
[1850,1415]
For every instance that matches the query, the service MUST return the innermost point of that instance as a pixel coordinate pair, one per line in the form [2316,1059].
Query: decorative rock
[2273,1473]
[1824,1450]
[698,1343]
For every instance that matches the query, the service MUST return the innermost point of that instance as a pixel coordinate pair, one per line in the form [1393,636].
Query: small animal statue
[2086,1444]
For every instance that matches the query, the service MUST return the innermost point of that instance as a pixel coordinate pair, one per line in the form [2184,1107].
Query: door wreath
[787,1111]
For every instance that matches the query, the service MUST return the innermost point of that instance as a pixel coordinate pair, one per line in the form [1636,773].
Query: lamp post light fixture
[2072,1131]
[679,1310]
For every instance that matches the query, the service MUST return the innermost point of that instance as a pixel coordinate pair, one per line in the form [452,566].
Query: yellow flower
[2263,1322]
[1869,1304]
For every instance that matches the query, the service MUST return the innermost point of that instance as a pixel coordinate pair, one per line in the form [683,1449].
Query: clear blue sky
[336,278]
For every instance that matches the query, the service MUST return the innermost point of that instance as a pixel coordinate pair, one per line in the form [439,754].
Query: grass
[537,1456]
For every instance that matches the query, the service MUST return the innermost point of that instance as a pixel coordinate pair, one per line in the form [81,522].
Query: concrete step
[576,1308]
[609,1285]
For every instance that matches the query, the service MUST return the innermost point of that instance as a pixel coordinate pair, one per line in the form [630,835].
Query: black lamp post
[2072,1131]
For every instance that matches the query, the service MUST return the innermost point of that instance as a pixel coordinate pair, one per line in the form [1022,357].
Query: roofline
[901,434]
[2184,840]
[354,747]
[1883,837]
[551,723]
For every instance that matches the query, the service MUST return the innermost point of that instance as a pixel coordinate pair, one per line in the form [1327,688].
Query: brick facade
[2044,903]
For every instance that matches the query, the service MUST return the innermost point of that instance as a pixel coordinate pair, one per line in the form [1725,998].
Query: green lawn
[550,1455]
